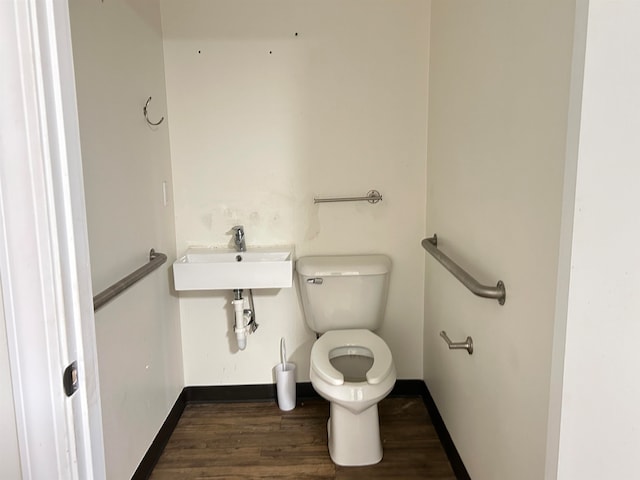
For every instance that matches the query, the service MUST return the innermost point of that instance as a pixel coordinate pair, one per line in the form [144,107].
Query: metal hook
[146,116]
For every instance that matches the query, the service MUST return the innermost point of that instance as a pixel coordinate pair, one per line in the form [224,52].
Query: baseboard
[267,393]
[143,472]
[459,470]
[243,393]
[230,393]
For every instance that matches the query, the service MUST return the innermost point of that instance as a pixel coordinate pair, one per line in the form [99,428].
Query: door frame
[44,252]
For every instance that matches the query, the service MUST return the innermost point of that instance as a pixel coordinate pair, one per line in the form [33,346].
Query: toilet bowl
[344,299]
[341,374]
[350,346]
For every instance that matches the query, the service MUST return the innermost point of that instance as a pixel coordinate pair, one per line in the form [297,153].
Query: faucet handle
[238,231]
[238,238]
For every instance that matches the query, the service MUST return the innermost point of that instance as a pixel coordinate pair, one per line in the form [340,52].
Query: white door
[44,258]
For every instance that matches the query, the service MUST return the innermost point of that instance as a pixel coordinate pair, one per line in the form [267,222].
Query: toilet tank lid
[343,265]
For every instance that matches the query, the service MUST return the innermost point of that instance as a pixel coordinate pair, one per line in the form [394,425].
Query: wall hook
[146,116]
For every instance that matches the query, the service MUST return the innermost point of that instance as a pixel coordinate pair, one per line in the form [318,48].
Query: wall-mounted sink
[223,269]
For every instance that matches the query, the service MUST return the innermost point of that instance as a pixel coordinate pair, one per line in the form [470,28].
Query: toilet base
[354,439]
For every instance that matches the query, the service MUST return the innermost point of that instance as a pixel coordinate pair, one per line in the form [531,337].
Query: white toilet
[344,299]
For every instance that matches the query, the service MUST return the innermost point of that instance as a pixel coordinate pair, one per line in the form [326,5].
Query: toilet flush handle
[315,281]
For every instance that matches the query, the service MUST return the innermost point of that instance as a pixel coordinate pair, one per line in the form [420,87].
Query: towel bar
[373,196]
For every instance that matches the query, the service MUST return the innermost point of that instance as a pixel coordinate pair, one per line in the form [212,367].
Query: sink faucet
[238,238]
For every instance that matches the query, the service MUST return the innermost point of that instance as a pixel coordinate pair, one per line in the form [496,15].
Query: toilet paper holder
[467,345]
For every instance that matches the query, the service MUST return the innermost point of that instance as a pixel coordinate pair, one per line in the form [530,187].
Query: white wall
[599,435]
[9,454]
[498,106]
[119,64]
[263,120]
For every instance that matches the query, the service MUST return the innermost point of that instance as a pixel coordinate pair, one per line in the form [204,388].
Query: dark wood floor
[258,441]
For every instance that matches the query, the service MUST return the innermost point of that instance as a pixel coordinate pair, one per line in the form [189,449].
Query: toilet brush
[283,354]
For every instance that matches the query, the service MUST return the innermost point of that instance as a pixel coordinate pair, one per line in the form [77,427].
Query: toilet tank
[343,291]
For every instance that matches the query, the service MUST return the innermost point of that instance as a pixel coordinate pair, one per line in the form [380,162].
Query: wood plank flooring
[258,441]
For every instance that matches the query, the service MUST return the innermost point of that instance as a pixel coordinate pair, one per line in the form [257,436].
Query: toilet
[344,300]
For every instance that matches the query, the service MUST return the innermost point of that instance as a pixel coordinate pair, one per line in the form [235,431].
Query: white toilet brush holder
[285,381]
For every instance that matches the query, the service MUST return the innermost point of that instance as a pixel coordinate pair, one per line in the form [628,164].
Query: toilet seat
[321,364]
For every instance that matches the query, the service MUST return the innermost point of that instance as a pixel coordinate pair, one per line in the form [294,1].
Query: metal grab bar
[373,196]
[499,292]
[467,345]
[155,260]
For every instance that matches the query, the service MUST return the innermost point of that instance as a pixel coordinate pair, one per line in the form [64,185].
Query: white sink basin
[223,269]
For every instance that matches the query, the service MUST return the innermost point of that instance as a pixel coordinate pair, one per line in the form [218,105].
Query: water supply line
[245,319]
